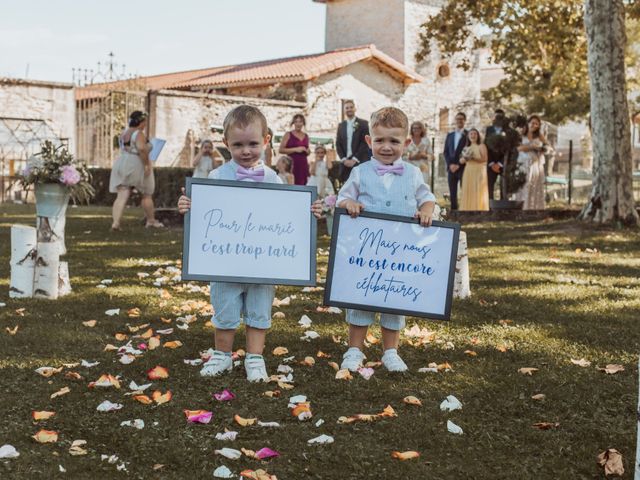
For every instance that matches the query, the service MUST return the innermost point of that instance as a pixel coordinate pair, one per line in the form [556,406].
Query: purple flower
[70,176]
[330,201]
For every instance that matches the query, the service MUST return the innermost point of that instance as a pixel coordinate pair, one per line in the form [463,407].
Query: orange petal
[106,380]
[279,351]
[272,394]
[143,399]
[309,361]
[471,353]
[153,343]
[371,339]
[174,344]
[321,354]
[160,397]
[244,422]
[121,337]
[333,365]
[90,323]
[148,334]
[13,331]
[411,400]
[527,370]
[343,374]
[46,436]
[42,415]
[405,455]
[158,373]
[301,408]
[62,391]
[133,312]
[388,412]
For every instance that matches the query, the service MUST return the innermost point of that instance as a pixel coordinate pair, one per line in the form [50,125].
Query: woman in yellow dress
[475,187]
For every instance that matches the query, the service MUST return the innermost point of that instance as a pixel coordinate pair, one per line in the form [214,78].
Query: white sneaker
[256,369]
[217,364]
[352,359]
[392,361]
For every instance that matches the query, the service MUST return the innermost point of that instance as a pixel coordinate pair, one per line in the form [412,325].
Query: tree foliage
[541,45]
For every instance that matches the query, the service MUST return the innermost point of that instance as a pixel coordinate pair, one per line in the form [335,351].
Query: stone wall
[183,119]
[48,101]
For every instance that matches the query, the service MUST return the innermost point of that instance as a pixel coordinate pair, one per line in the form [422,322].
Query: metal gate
[100,118]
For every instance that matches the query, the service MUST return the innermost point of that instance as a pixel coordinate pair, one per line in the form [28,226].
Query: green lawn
[533,292]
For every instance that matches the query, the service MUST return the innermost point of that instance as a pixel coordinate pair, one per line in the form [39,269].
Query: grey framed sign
[249,232]
[391,264]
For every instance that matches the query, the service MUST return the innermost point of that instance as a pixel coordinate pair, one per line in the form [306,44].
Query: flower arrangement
[329,204]
[56,165]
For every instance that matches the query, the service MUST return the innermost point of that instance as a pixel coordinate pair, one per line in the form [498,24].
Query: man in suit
[496,158]
[453,146]
[351,145]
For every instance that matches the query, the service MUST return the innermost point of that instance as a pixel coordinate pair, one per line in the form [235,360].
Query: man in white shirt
[351,145]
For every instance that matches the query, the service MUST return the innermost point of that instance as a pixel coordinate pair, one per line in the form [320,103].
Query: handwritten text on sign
[395,265]
[249,232]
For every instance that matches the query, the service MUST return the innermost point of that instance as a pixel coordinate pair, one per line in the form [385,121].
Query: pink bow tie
[397,169]
[256,175]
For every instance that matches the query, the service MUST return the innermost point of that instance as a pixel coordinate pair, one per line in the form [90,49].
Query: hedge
[169,180]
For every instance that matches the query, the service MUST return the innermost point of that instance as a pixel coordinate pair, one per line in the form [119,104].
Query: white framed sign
[249,232]
[391,264]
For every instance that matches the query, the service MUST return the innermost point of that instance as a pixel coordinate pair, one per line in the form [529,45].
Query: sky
[46,39]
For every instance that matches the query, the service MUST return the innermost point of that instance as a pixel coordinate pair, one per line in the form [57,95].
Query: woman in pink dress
[296,144]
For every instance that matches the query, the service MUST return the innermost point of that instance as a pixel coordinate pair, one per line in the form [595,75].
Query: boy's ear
[367,138]
[224,140]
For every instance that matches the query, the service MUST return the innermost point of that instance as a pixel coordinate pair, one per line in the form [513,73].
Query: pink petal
[266,453]
[224,396]
[142,346]
[204,417]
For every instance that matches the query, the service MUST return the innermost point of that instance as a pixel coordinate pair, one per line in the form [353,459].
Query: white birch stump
[23,260]
[45,284]
[51,229]
[636,475]
[461,287]
[64,285]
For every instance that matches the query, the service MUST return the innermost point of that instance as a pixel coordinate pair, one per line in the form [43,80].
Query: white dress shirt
[457,136]
[350,130]
[351,189]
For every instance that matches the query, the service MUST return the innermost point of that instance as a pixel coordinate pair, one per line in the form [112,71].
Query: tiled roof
[292,69]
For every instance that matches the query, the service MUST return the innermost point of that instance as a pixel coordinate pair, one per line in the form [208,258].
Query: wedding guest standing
[203,162]
[296,144]
[419,152]
[351,145]
[453,145]
[283,167]
[320,172]
[531,160]
[475,196]
[496,156]
[133,169]
[267,153]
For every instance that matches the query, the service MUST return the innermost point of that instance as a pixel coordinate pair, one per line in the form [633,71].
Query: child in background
[320,173]
[203,162]
[386,184]
[283,166]
[245,135]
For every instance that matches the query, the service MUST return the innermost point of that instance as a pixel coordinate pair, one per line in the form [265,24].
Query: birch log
[461,286]
[46,273]
[64,285]
[51,229]
[23,259]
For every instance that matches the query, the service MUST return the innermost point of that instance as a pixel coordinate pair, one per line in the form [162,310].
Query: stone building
[369,57]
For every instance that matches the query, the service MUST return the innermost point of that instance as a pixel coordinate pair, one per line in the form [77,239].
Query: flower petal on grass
[76,448]
[224,396]
[257,475]
[527,370]
[160,397]
[48,371]
[46,436]
[153,343]
[612,369]
[279,351]
[144,399]
[62,391]
[90,323]
[581,363]
[198,416]
[222,472]
[106,381]
[411,400]
[366,372]
[265,453]
[112,312]
[108,406]
[344,374]
[546,425]
[229,453]
[611,460]
[173,345]
[228,436]
[405,455]
[453,428]
[450,403]
[244,422]
[8,451]
[42,415]
[538,396]
[321,440]
[157,373]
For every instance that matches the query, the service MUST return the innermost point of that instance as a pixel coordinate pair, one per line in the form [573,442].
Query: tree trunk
[612,194]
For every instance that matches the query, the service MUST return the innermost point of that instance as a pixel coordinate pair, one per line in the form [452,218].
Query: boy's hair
[389,117]
[288,161]
[243,116]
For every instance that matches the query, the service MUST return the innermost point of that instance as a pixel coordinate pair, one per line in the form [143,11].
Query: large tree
[557,56]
